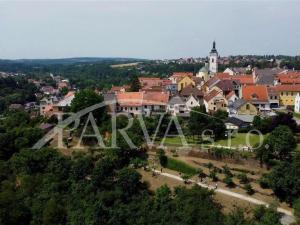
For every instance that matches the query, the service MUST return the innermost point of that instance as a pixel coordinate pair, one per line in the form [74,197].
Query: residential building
[177,107]
[258,96]
[286,77]
[145,103]
[184,82]
[273,97]
[149,82]
[191,90]
[287,94]
[215,100]
[297,103]
[242,107]
[192,102]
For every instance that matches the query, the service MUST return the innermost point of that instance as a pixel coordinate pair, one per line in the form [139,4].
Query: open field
[124,65]
[240,139]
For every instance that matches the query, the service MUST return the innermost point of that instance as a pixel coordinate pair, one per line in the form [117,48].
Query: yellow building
[242,107]
[185,81]
[287,94]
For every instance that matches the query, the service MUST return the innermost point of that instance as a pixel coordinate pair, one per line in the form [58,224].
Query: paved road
[287,218]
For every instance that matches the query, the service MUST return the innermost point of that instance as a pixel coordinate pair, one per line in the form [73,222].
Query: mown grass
[240,139]
[237,140]
[297,115]
[180,166]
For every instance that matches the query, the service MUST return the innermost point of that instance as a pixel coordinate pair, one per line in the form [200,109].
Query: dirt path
[288,215]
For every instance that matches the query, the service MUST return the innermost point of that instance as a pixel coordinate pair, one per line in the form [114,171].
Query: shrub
[263,182]
[248,188]
[228,181]
[163,159]
[213,175]
[227,171]
[243,178]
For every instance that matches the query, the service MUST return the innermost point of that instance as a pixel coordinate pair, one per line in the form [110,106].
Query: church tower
[213,59]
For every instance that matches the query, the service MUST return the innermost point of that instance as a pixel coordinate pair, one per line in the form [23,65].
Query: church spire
[214,50]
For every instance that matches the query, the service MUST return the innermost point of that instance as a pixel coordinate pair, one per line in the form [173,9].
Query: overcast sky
[147,29]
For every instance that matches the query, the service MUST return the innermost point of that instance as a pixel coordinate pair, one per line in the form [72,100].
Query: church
[210,67]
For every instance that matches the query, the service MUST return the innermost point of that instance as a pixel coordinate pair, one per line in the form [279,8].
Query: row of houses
[238,94]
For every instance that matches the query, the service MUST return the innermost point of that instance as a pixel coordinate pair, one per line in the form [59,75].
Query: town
[235,128]
[149,112]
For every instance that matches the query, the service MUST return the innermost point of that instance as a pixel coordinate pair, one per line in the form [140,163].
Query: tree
[199,121]
[163,159]
[279,145]
[201,174]
[135,83]
[243,178]
[296,207]
[54,213]
[249,189]
[228,181]
[86,98]
[221,114]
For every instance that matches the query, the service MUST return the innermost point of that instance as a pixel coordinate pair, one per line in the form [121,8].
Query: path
[286,219]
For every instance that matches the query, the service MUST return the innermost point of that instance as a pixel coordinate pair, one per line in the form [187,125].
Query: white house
[177,107]
[192,102]
[297,103]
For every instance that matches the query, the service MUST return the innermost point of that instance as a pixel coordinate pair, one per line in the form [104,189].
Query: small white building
[177,107]
[192,102]
[297,103]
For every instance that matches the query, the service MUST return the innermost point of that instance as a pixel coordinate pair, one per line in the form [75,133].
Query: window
[247,106]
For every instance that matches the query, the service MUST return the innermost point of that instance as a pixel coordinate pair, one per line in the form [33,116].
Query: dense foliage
[15,90]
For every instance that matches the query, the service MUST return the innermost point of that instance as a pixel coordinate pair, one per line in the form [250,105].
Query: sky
[147,29]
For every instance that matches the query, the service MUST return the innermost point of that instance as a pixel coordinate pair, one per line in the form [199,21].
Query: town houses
[243,92]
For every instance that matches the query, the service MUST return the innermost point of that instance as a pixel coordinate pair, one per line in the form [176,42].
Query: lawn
[297,115]
[241,139]
[236,140]
[176,140]
[179,166]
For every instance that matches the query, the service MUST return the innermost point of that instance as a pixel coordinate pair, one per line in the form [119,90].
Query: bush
[213,175]
[243,178]
[263,182]
[227,171]
[228,181]
[248,188]
[163,159]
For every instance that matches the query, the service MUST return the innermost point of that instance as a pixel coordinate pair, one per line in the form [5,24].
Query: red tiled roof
[142,98]
[289,78]
[148,82]
[211,95]
[286,87]
[255,93]
[244,79]
[222,75]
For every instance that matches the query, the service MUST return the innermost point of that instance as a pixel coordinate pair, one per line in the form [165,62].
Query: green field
[297,115]
[180,166]
[241,139]
[236,140]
